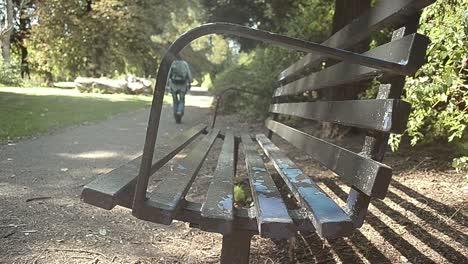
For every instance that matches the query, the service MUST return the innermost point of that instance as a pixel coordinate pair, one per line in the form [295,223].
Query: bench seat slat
[383,14]
[329,219]
[272,214]
[217,210]
[169,193]
[387,115]
[105,191]
[410,49]
[369,176]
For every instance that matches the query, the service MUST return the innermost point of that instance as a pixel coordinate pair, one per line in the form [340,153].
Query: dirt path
[424,218]
[55,167]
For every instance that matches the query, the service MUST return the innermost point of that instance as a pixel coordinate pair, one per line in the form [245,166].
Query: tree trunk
[24,62]
[21,36]
[6,31]
[345,12]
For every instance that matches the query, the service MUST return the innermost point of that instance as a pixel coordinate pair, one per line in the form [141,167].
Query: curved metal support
[241,31]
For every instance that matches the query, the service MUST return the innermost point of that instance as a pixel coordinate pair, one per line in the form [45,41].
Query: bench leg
[236,248]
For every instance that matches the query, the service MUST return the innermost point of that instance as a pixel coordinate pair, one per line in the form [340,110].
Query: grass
[29,111]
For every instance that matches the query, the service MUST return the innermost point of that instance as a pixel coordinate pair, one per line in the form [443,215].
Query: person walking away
[180,79]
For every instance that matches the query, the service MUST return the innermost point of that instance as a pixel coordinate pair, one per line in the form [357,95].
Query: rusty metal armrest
[139,202]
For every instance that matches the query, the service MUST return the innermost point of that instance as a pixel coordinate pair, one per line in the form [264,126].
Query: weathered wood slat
[272,214]
[105,191]
[410,49]
[245,219]
[369,176]
[217,210]
[329,219]
[388,115]
[383,14]
[166,198]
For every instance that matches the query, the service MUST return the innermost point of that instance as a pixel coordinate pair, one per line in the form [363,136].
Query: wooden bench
[270,216]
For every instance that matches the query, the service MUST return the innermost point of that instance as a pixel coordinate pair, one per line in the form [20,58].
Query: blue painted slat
[217,210]
[272,214]
[328,217]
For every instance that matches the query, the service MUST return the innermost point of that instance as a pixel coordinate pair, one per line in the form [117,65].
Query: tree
[438,92]
[23,13]
[257,70]
[111,38]
[6,28]
[94,38]
[268,15]
[205,55]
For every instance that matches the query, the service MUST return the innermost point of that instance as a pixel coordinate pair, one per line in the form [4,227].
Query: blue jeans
[178,98]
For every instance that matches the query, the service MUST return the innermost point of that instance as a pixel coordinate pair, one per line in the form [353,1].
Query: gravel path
[55,167]
[422,220]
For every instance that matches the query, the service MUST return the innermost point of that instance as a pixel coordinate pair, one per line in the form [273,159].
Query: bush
[460,164]
[258,70]
[9,74]
[439,91]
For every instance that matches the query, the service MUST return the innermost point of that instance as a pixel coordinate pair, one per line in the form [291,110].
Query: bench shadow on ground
[407,226]
[362,246]
[359,244]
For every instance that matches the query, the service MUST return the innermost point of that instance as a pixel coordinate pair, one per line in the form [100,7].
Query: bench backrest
[379,117]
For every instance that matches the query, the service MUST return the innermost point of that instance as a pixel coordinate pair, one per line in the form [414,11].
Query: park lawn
[30,111]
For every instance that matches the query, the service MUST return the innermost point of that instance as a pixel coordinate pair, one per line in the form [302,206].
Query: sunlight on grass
[29,111]
[74,93]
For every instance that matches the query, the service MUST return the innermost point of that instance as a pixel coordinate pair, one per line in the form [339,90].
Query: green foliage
[9,74]
[182,17]
[271,15]
[94,38]
[461,164]
[312,20]
[240,195]
[258,70]
[116,37]
[207,82]
[439,91]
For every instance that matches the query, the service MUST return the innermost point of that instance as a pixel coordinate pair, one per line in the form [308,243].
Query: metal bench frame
[363,171]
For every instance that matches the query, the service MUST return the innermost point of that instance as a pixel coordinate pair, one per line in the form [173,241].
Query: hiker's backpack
[179,72]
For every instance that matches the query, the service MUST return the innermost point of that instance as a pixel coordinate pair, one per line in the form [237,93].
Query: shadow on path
[360,246]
